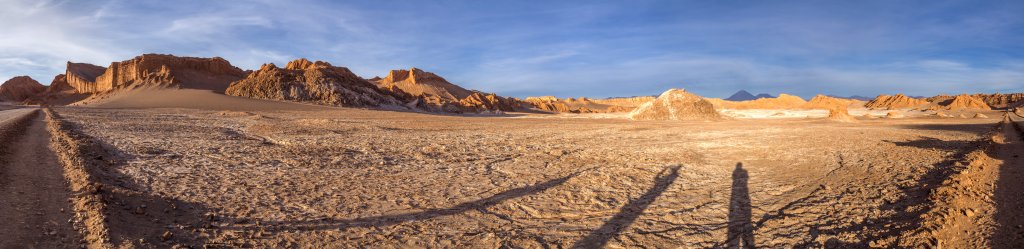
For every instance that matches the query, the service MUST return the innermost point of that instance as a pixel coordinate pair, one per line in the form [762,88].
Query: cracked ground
[371,178]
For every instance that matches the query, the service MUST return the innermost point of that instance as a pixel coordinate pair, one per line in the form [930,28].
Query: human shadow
[629,213]
[387,220]
[740,229]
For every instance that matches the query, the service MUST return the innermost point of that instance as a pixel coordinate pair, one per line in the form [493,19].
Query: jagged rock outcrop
[897,101]
[676,104]
[964,101]
[430,92]
[82,76]
[19,89]
[421,83]
[165,71]
[552,104]
[314,82]
[999,100]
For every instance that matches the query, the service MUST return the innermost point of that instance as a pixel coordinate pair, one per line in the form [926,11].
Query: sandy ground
[358,178]
[34,198]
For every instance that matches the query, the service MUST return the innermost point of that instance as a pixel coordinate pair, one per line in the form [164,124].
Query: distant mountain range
[743,95]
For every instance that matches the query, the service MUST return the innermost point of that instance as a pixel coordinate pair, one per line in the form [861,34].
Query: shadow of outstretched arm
[628,213]
[387,220]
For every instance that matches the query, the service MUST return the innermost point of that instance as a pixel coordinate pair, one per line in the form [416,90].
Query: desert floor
[340,177]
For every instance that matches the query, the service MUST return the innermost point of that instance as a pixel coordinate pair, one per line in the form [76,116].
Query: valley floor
[359,178]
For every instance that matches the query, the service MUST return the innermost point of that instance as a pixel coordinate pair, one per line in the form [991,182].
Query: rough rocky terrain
[358,178]
[34,207]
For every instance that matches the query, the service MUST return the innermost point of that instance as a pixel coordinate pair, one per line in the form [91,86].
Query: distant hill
[856,97]
[742,95]
[764,96]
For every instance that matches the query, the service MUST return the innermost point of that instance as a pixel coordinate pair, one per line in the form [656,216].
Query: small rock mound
[676,104]
[898,101]
[894,114]
[979,115]
[943,115]
[840,114]
[315,82]
[19,89]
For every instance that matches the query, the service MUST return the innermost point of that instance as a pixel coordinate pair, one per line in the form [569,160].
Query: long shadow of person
[740,229]
[630,212]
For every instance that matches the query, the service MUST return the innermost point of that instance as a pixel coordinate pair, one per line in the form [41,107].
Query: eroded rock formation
[999,100]
[166,71]
[19,89]
[82,76]
[430,92]
[897,101]
[57,89]
[314,82]
[964,101]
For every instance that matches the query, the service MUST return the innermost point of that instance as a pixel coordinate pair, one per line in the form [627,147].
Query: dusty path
[34,210]
[1008,197]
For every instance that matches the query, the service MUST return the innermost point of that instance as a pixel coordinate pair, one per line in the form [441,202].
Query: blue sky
[562,48]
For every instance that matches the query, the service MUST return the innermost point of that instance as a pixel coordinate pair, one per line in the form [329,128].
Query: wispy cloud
[555,48]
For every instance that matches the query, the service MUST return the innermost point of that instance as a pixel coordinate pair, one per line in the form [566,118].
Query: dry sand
[344,177]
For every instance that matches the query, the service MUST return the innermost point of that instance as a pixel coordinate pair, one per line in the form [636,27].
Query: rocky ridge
[314,82]
[19,88]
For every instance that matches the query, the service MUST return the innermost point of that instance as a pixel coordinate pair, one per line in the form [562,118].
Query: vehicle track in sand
[34,209]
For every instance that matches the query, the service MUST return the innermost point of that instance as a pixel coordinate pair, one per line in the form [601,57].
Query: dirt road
[1009,186]
[34,207]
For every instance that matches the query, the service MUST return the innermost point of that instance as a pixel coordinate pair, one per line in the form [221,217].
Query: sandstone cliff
[315,82]
[164,71]
[675,104]
[19,88]
[82,76]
